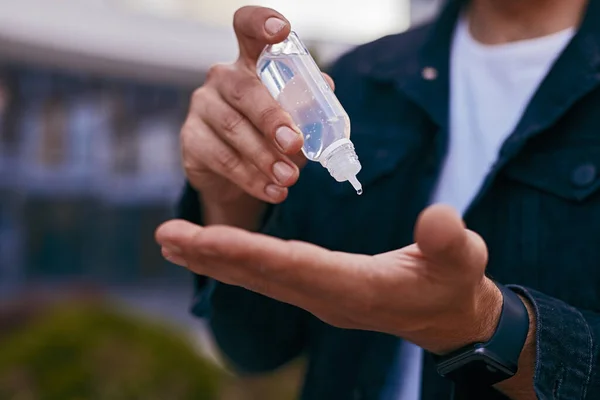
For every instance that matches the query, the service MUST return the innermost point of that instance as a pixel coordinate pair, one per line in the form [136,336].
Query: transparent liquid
[295,81]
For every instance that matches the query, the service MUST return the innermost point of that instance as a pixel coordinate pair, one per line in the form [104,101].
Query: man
[492,109]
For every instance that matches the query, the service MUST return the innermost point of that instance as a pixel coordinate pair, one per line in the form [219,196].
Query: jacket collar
[425,78]
[574,74]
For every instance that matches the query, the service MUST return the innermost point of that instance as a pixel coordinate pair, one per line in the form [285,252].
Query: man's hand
[433,293]
[240,149]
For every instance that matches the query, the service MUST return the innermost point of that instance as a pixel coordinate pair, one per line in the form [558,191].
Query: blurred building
[89,166]
[92,97]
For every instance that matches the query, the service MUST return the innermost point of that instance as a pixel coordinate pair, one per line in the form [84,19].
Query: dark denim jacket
[538,211]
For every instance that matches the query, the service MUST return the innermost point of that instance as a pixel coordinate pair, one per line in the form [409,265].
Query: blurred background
[92,95]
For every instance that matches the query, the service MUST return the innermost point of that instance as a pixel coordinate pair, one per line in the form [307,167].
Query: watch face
[475,367]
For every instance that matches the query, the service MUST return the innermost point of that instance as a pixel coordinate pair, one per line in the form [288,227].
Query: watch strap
[513,327]
[485,364]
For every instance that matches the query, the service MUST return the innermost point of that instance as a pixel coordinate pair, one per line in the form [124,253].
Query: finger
[293,272]
[173,255]
[182,233]
[255,27]
[239,133]
[442,238]
[179,245]
[246,93]
[202,146]
[329,80]
[297,265]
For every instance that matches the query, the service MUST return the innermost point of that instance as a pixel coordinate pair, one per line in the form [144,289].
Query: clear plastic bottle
[293,78]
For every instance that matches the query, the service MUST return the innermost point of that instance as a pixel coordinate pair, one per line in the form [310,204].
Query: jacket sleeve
[567,352]
[567,349]
[255,333]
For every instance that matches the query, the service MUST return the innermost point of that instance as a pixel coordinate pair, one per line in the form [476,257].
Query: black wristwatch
[485,364]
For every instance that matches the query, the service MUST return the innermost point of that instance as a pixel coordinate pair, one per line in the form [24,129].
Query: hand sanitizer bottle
[293,78]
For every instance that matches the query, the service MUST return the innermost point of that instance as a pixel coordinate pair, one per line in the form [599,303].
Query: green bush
[91,352]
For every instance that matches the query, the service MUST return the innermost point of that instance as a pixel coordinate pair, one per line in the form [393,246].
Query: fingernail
[274,191]
[177,260]
[274,25]
[282,171]
[286,137]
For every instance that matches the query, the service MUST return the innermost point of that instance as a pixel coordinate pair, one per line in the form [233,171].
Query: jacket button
[583,175]
[429,73]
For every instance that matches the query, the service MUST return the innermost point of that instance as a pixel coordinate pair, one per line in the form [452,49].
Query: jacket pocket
[554,213]
[571,173]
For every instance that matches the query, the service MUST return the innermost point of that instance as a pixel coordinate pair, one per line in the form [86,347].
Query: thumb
[255,27]
[443,239]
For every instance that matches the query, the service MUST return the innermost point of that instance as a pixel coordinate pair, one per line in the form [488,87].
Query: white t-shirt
[490,88]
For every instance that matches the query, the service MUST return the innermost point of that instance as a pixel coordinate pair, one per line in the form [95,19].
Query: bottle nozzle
[356,185]
[342,163]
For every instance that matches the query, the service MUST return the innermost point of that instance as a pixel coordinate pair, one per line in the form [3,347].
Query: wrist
[475,322]
[488,310]
[497,360]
